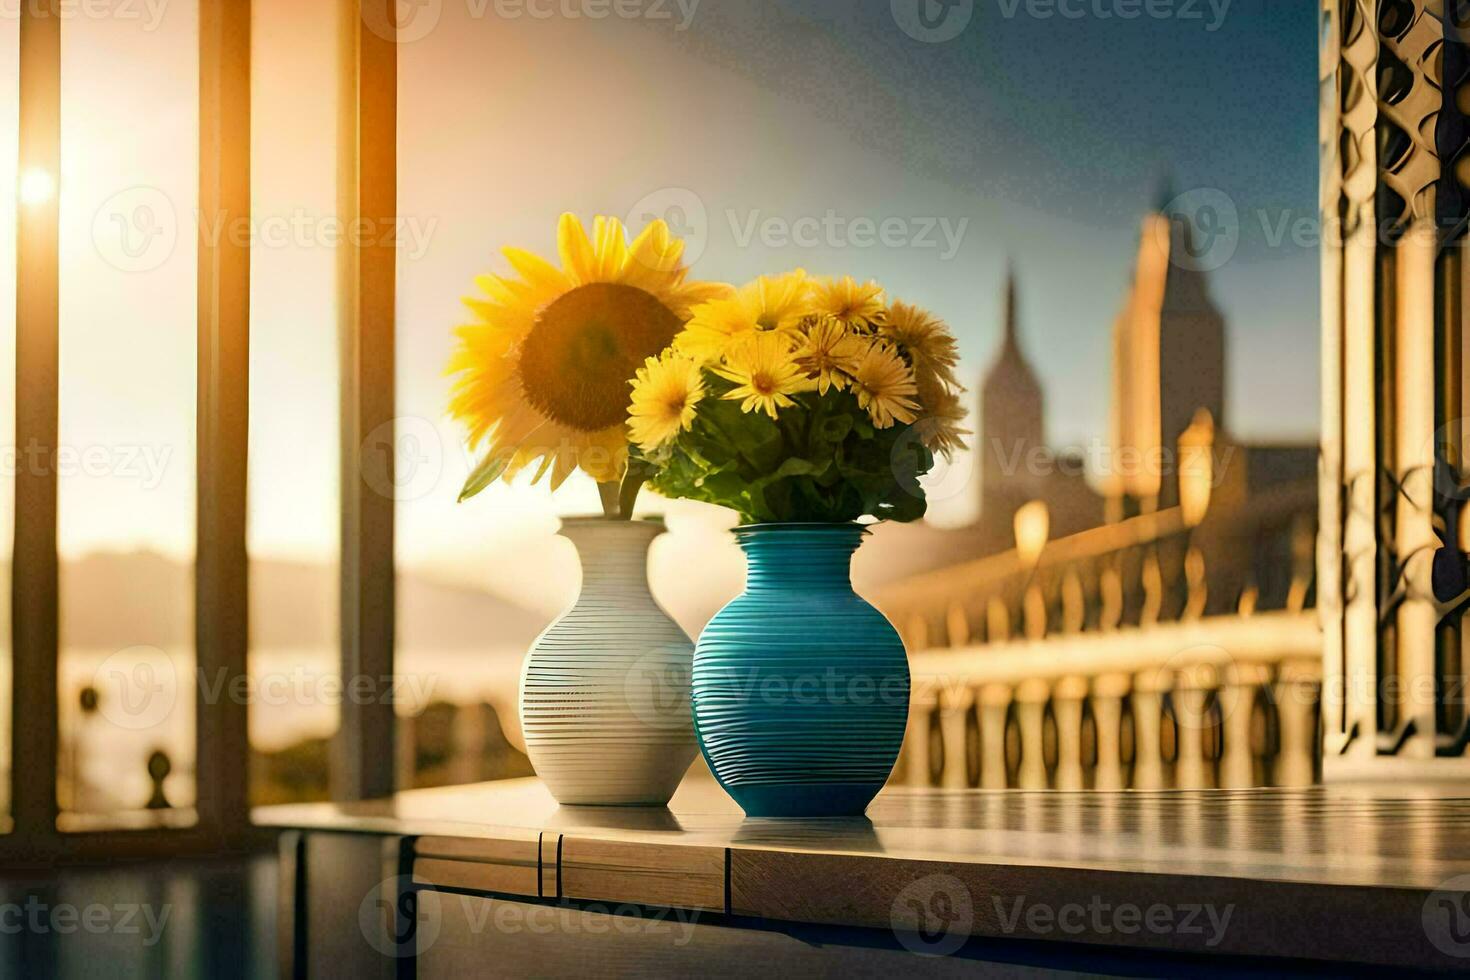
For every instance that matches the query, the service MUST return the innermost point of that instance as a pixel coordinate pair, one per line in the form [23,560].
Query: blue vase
[800,687]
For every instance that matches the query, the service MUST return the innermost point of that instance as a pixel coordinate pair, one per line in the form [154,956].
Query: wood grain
[686,877]
[509,866]
[477,937]
[1177,913]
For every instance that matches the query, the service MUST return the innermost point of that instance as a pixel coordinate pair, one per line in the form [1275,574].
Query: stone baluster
[1198,590]
[1067,700]
[997,620]
[1152,576]
[1031,698]
[917,763]
[1108,691]
[957,625]
[1296,691]
[917,633]
[1192,687]
[1148,706]
[1074,603]
[1034,612]
[994,700]
[955,706]
[1110,585]
[1303,564]
[1237,707]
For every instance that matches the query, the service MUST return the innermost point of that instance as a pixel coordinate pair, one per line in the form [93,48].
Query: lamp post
[1196,468]
[1032,525]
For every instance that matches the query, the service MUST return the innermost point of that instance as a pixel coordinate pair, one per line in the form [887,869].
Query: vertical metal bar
[1359,320]
[1414,469]
[34,572]
[221,608]
[1329,524]
[1415,38]
[367,179]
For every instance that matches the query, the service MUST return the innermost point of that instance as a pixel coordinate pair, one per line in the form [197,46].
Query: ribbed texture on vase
[605,689]
[800,686]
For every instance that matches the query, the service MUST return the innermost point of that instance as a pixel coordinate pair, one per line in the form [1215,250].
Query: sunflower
[926,340]
[768,303]
[828,352]
[543,369]
[765,373]
[665,394]
[858,305]
[885,386]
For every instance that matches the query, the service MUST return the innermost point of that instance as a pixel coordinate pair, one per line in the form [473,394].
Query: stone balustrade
[1226,701]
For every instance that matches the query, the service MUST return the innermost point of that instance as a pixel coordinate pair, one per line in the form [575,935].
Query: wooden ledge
[1344,873]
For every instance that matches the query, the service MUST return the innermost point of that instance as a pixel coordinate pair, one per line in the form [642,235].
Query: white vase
[605,689]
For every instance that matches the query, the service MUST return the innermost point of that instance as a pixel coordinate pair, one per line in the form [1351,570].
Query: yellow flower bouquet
[798,399]
[542,370]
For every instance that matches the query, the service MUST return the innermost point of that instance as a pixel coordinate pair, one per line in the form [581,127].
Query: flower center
[763,383]
[577,359]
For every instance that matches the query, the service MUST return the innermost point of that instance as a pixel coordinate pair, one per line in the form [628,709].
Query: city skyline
[988,164]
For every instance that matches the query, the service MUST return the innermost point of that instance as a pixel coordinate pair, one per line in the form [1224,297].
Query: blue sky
[819,133]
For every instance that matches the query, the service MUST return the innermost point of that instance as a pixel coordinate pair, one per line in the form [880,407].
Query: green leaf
[820,460]
[486,473]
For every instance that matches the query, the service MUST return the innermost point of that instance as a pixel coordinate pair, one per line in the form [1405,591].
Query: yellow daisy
[768,303]
[926,340]
[828,352]
[939,427]
[858,305]
[665,394]
[543,368]
[885,387]
[765,373]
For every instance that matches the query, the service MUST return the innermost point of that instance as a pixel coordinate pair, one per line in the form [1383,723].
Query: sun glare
[36,187]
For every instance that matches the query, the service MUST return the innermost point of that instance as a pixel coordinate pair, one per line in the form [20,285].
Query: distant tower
[1011,425]
[1168,363]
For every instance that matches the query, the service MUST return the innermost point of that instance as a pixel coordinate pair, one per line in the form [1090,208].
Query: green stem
[638,473]
[609,494]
